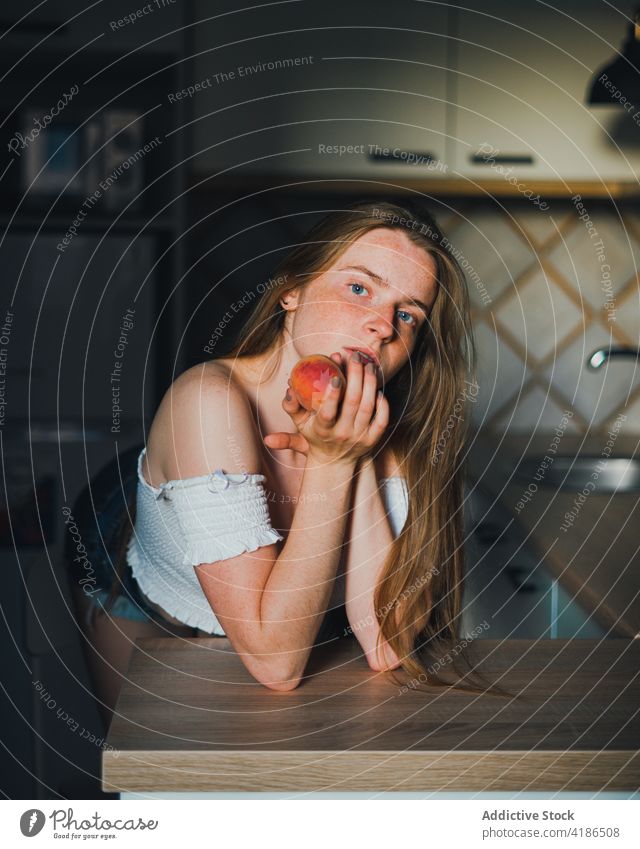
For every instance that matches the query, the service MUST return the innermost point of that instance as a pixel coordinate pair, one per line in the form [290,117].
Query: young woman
[259,520]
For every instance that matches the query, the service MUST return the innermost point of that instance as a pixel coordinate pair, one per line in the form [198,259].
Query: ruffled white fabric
[205,519]
[396,498]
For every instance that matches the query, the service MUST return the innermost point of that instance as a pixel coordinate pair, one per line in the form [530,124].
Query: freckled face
[349,305]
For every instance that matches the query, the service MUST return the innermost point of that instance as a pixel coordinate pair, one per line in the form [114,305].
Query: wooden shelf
[98,223]
[390,185]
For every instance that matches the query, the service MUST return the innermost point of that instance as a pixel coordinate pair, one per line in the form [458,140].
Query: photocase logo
[32,822]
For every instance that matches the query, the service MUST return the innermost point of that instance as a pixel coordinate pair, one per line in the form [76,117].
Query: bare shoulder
[211,374]
[199,388]
[204,422]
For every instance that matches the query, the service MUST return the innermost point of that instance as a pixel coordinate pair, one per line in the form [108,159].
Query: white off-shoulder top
[189,521]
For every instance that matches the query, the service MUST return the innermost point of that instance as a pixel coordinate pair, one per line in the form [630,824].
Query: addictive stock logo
[32,822]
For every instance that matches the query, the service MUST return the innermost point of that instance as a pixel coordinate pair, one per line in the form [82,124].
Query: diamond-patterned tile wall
[593,263]
[627,315]
[547,288]
[500,373]
[537,314]
[494,251]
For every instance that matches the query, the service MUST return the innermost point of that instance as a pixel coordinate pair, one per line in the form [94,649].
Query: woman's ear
[290,300]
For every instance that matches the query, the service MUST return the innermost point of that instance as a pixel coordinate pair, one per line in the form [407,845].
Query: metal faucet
[598,357]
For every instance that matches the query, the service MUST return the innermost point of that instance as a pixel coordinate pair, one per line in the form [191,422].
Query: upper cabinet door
[116,26]
[522,73]
[76,25]
[353,89]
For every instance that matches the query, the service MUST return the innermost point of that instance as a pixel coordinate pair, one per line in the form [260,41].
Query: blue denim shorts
[104,528]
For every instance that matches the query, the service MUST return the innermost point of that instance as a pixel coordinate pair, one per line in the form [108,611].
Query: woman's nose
[380,319]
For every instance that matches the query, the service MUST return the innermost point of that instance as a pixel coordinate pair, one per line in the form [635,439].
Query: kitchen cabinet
[595,561]
[44,471]
[91,246]
[89,340]
[303,89]
[521,75]
[450,94]
[81,332]
[509,584]
[67,25]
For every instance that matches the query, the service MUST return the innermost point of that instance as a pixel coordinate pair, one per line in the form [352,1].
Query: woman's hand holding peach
[338,433]
[293,441]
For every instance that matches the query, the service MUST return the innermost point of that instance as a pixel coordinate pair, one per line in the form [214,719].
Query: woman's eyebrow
[384,284]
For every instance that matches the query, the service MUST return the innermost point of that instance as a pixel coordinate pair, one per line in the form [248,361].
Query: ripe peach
[310,376]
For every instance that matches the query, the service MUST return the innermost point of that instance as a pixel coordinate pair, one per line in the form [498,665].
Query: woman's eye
[410,320]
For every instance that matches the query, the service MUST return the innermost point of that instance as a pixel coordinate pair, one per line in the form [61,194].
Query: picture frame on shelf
[75,156]
[52,161]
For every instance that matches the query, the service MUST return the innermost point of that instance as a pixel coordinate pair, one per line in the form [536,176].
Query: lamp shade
[618,82]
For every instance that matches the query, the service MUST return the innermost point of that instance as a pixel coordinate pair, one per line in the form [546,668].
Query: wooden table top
[191,718]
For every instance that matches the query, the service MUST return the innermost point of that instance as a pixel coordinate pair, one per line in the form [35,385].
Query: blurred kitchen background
[157,163]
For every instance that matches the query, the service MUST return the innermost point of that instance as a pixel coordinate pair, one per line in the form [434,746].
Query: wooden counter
[191,718]
[597,559]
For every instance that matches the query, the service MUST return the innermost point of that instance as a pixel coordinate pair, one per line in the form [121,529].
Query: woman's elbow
[282,686]
[274,676]
[280,683]
[383,667]
[383,660]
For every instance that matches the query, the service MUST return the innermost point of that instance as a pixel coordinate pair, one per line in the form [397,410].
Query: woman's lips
[371,356]
[348,354]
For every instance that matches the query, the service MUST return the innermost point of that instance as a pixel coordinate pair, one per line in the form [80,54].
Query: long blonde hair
[423,576]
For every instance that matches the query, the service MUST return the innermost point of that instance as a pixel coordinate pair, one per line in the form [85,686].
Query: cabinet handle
[501,159]
[406,157]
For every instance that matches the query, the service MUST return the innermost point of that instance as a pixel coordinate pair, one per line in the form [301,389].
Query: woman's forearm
[295,597]
[370,540]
